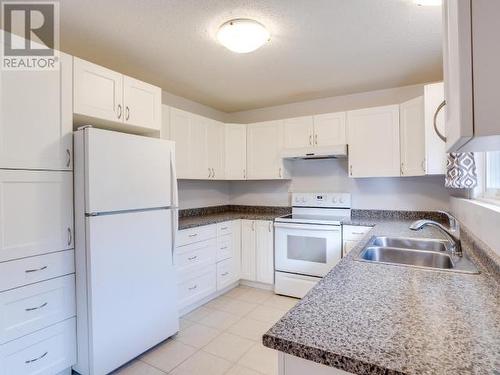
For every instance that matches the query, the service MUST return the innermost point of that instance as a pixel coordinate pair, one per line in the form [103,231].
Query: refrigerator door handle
[175,198]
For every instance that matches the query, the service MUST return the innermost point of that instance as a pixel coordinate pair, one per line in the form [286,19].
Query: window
[492,175]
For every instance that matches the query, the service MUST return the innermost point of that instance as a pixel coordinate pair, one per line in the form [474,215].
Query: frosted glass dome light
[242,35]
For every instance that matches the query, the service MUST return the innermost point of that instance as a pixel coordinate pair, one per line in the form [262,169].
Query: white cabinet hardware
[43,268]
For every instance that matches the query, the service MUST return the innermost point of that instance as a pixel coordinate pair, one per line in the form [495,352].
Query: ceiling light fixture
[242,35]
[428,3]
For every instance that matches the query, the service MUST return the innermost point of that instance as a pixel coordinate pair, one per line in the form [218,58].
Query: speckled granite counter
[211,215]
[381,319]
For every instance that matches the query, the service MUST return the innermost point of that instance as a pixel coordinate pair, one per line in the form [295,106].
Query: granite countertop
[381,319]
[192,218]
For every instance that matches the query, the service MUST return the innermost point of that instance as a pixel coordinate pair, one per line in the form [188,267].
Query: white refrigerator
[125,219]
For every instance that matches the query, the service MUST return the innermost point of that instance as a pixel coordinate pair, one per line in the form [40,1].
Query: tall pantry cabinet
[37,281]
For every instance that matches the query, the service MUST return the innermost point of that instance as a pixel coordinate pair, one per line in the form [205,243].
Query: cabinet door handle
[279,172]
[316,139]
[350,169]
[127,113]
[37,308]
[402,169]
[193,258]
[434,121]
[253,225]
[270,226]
[193,287]
[225,274]
[68,154]
[119,111]
[209,173]
[244,173]
[35,359]
[423,165]
[310,139]
[36,269]
[213,172]
[70,236]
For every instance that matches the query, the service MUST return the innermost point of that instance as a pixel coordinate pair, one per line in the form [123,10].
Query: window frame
[481,192]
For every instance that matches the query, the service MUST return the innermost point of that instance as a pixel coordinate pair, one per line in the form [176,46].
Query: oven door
[307,249]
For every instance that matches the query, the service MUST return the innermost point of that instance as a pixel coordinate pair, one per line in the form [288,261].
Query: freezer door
[131,286]
[126,172]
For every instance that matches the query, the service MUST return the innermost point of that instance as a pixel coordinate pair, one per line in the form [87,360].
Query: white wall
[399,193]
[193,107]
[195,194]
[482,219]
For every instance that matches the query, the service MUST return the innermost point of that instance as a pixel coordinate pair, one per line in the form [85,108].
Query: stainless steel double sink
[415,252]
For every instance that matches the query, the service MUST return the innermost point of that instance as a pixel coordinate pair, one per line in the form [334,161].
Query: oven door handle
[325,228]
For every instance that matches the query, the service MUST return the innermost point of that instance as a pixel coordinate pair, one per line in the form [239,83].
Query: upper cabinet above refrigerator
[471,58]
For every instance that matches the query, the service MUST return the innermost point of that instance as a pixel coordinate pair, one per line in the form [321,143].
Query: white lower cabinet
[44,352]
[200,286]
[257,251]
[226,273]
[351,235]
[36,306]
[36,208]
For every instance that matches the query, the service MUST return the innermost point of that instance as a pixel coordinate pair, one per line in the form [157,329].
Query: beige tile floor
[223,336]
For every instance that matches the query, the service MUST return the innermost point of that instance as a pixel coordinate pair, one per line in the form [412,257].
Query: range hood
[325,152]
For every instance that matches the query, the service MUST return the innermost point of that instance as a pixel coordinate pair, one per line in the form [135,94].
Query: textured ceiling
[319,48]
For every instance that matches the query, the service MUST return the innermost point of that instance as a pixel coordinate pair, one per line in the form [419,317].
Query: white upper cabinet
[97,91]
[142,104]
[216,149]
[36,118]
[104,97]
[264,145]
[435,153]
[36,208]
[198,164]
[235,151]
[412,137]
[298,132]
[471,89]
[373,135]
[330,129]
[180,133]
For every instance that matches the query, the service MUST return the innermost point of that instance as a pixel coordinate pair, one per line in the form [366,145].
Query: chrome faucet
[452,233]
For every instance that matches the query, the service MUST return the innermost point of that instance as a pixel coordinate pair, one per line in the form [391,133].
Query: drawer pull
[225,274]
[223,248]
[36,359]
[357,232]
[193,258]
[193,287]
[36,270]
[223,228]
[193,235]
[37,308]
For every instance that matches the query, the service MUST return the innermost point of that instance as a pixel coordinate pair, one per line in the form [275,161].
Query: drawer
[197,256]
[224,229]
[26,271]
[45,352]
[226,273]
[192,235]
[224,248]
[36,306]
[198,288]
[354,232]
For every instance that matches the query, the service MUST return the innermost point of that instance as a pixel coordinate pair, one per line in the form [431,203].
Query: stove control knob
[341,200]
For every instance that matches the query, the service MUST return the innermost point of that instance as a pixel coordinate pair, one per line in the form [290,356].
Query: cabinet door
[412,137]
[264,144]
[248,250]
[457,69]
[236,151]
[236,237]
[97,91]
[36,118]
[198,145]
[36,208]
[329,129]
[180,133]
[264,251]
[215,148]
[298,132]
[165,122]
[435,153]
[142,104]
[374,142]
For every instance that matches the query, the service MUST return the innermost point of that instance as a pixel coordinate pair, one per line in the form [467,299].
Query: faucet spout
[453,235]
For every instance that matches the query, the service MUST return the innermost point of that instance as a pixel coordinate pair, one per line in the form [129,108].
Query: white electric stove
[308,243]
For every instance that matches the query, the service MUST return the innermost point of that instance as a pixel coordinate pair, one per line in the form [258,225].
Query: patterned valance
[461,171]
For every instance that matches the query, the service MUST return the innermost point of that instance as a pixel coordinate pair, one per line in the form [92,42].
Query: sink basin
[415,252]
[406,256]
[411,243]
